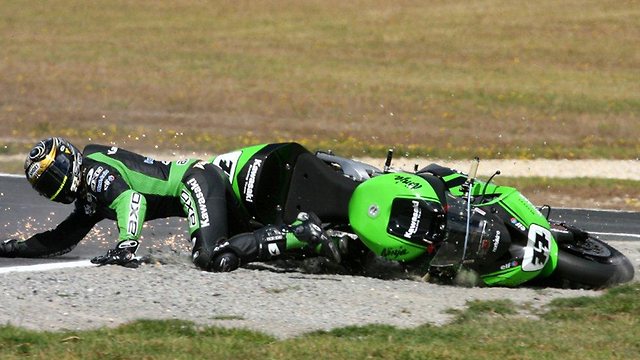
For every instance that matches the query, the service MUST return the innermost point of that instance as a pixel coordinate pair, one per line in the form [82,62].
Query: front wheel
[590,263]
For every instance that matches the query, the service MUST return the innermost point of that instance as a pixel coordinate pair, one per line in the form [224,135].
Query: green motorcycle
[435,219]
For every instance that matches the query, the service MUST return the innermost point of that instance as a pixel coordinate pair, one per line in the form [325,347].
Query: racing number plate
[536,254]
[228,163]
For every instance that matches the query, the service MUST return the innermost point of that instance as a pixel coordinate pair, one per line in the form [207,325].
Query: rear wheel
[587,262]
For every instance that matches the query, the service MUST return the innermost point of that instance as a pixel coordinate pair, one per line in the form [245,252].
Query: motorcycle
[435,219]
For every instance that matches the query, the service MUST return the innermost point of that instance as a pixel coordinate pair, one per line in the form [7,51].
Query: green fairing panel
[515,276]
[541,251]
[370,210]
[540,245]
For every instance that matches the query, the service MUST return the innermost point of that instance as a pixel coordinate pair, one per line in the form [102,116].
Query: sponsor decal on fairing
[517,224]
[415,220]
[252,173]
[407,181]
[393,252]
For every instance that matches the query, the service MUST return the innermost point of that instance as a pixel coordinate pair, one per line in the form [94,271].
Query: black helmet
[53,169]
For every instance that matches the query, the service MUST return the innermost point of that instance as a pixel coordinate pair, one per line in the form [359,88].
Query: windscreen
[488,237]
[418,220]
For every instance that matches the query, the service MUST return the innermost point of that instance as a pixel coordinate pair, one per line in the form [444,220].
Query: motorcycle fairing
[533,251]
[383,228]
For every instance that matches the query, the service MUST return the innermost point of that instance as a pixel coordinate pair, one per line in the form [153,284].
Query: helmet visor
[53,179]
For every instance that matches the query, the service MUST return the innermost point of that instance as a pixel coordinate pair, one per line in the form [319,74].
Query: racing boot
[270,242]
[261,245]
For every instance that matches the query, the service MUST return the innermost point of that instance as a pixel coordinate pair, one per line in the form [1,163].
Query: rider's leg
[203,199]
[269,242]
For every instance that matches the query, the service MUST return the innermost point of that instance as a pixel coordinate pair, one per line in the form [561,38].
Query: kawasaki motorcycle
[437,220]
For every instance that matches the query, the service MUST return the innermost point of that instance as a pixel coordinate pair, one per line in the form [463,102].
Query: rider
[113,183]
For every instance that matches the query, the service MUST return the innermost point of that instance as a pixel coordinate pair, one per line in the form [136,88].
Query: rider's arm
[54,242]
[130,208]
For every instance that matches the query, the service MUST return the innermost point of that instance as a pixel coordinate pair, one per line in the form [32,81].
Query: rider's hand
[309,229]
[9,247]
[124,254]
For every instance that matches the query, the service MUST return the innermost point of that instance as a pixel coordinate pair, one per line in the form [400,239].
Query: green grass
[603,327]
[492,78]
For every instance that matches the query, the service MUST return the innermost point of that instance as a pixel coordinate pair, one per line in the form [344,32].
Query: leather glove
[124,254]
[10,247]
[308,229]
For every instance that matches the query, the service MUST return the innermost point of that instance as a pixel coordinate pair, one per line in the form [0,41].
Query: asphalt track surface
[23,213]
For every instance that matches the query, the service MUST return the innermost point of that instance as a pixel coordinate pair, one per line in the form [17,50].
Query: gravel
[278,301]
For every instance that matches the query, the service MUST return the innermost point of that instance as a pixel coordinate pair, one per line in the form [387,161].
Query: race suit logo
[191,213]
[536,254]
[273,249]
[252,173]
[92,178]
[134,214]
[202,205]
[103,181]
[77,162]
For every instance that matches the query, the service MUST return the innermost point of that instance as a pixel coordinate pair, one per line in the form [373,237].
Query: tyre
[590,263]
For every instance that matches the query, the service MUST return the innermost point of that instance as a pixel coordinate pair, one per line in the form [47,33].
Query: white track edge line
[614,234]
[46,267]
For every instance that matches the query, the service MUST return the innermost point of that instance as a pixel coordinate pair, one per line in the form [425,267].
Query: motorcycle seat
[317,187]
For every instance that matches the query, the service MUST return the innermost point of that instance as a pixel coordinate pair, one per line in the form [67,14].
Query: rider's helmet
[53,169]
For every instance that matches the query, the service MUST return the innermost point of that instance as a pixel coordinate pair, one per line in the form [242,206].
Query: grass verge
[603,327]
[493,78]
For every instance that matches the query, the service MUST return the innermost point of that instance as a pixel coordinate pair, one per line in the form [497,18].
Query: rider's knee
[201,259]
